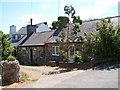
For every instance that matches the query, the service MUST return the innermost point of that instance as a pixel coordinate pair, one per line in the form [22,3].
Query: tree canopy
[5,46]
[106,43]
[67,34]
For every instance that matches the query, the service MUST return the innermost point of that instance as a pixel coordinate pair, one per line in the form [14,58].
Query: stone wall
[41,54]
[99,60]
[22,55]
[48,51]
[92,62]
[10,72]
[71,65]
[38,55]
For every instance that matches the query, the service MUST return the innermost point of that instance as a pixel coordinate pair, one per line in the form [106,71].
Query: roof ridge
[40,23]
[43,31]
[101,18]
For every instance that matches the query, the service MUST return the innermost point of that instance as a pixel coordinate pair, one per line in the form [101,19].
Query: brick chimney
[31,29]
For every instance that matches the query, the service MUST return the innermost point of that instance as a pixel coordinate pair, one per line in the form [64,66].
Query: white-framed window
[72,50]
[24,48]
[55,50]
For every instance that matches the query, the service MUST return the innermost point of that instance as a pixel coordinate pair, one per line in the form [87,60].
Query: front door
[72,51]
[31,56]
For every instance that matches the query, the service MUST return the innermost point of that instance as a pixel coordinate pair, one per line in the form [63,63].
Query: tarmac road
[79,79]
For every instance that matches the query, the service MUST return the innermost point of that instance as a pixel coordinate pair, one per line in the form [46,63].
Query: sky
[19,12]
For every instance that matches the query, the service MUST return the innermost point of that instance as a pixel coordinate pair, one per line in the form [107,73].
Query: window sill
[55,55]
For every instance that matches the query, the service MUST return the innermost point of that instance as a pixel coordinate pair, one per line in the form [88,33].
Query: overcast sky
[19,12]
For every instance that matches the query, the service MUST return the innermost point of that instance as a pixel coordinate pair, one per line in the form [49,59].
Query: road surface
[79,79]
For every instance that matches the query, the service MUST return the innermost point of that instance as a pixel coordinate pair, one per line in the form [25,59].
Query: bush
[106,43]
[24,76]
[11,58]
[78,57]
[64,55]
[6,46]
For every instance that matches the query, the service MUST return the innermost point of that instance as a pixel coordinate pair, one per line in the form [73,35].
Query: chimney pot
[31,21]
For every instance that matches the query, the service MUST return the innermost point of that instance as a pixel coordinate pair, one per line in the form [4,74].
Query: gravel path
[37,73]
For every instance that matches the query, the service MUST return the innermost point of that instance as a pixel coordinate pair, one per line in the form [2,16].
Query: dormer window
[13,36]
[19,36]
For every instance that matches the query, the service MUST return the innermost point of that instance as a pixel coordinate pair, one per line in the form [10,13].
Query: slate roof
[23,30]
[86,27]
[52,39]
[18,42]
[39,38]
[90,26]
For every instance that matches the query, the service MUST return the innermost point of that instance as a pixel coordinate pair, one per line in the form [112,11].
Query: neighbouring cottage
[41,47]
[20,36]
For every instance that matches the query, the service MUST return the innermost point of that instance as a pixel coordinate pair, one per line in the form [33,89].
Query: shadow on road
[107,66]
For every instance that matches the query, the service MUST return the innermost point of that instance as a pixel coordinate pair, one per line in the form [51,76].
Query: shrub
[106,43]
[64,55]
[11,58]
[78,57]
[24,76]
[6,46]
[71,59]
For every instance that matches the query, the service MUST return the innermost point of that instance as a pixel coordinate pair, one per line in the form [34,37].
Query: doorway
[31,56]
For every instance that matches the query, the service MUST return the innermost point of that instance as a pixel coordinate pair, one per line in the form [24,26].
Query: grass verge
[24,77]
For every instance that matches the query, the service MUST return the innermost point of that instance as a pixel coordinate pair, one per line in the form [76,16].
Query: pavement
[78,79]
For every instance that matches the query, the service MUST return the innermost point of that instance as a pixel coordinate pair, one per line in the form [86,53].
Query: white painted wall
[12,30]
[42,27]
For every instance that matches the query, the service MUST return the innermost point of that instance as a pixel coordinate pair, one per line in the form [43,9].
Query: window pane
[53,50]
[72,50]
[57,50]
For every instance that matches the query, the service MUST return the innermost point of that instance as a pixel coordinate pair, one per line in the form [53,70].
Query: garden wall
[87,65]
[98,60]
[71,65]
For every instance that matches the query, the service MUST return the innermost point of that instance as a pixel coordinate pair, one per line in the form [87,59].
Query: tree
[61,23]
[5,46]
[1,45]
[106,43]
[69,10]
[109,39]
[68,35]
[55,25]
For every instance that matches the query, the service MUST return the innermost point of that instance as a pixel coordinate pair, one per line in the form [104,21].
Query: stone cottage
[33,51]
[20,36]
[41,47]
